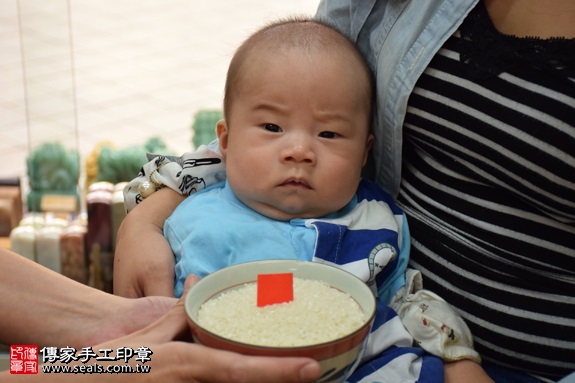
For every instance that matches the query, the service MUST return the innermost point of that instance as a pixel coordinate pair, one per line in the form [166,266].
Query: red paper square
[275,288]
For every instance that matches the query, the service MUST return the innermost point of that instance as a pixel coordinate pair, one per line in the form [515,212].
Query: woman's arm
[143,261]
[172,360]
[40,306]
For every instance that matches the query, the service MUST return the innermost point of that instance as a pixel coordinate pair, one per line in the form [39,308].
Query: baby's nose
[299,150]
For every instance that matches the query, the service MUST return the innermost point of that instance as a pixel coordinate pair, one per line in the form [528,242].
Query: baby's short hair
[293,32]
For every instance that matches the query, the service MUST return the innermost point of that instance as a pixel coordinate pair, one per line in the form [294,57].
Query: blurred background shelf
[118,71]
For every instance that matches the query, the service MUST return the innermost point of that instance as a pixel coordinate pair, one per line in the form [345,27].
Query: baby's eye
[272,128]
[328,135]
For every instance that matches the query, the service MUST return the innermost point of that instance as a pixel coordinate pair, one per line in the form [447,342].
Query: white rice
[319,313]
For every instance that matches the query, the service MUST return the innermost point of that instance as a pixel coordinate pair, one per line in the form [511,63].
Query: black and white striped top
[489,191]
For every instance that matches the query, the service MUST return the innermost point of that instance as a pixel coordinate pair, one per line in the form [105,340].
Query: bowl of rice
[328,318]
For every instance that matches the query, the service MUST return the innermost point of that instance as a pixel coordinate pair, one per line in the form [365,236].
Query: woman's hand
[175,359]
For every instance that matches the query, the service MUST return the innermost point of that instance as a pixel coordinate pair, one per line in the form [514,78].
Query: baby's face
[297,135]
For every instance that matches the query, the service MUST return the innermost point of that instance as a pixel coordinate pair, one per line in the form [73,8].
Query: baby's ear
[222,133]
[368,146]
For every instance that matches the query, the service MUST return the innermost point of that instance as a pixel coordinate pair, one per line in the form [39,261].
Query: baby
[293,142]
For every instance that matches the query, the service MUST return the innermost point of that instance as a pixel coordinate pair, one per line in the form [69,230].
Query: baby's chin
[289,212]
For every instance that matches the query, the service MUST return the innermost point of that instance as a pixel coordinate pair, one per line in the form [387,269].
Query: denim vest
[399,38]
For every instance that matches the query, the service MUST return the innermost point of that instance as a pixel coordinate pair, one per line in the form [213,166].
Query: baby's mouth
[297,182]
